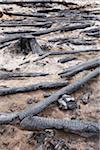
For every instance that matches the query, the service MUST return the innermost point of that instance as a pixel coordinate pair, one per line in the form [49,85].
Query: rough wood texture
[81,67]
[63,28]
[12,118]
[54,97]
[38,86]
[33,1]
[9,75]
[83,128]
[64,60]
[25,15]
[66,52]
[29,43]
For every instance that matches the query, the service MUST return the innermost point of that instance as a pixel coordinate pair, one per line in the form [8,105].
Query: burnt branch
[55,96]
[29,88]
[81,67]
[12,118]
[10,75]
[83,128]
[53,53]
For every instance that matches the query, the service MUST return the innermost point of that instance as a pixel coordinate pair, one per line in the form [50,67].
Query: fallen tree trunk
[25,15]
[7,118]
[5,40]
[13,118]
[38,86]
[4,45]
[29,43]
[55,96]
[83,128]
[81,67]
[78,42]
[22,24]
[7,75]
[35,1]
[66,52]
[62,28]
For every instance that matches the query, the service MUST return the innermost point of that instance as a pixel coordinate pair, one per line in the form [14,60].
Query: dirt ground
[12,138]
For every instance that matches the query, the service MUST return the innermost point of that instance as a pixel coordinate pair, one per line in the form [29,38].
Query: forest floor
[13,60]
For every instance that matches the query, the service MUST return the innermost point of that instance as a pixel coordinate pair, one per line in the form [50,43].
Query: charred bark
[55,96]
[66,52]
[81,67]
[83,128]
[38,86]
[13,118]
[64,60]
[10,75]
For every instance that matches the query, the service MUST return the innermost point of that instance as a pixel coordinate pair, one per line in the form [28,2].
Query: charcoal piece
[29,43]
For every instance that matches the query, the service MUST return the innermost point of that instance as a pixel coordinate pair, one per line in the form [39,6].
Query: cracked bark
[83,128]
[81,67]
[53,53]
[29,88]
[10,75]
[20,118]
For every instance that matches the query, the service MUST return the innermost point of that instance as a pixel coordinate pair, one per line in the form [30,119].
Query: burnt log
[29,43]
[10,75]
[82,128]
[66,52]
[13,118]
[25,15]
[62,28]
[64,60]
[38,86]
[81,67]
[40,106]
